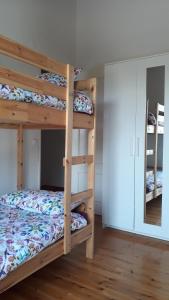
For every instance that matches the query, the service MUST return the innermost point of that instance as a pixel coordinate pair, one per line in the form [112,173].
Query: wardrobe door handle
[138,147]
[132,147]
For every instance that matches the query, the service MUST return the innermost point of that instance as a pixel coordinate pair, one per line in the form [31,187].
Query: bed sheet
[82,102]
[150,181]
[24,234]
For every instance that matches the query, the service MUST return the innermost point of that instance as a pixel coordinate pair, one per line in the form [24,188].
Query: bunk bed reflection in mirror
[154,132]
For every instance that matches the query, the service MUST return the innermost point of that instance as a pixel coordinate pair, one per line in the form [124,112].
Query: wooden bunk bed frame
[20,116]
[155,130]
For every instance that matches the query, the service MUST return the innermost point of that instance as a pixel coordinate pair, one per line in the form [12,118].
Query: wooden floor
[125,267]
[153,211]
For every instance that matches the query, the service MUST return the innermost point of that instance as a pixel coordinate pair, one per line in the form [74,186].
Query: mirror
[154,133]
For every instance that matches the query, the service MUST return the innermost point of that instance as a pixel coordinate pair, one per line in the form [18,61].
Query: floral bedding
[38,201]
[23,234]
[151,119]
[57,79]
[82,102]
[150,182]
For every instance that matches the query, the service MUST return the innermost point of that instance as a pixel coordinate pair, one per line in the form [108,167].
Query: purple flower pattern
[23,234]
[82,101]
[38,201]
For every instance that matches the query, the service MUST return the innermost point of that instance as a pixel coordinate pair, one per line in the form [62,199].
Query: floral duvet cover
[23,234]
[82,102]
[150,181]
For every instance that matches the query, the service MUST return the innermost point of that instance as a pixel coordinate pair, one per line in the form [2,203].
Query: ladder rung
[82,196]
[77,160]
[160,118]
[160,107]
[84,159]
[81,235]
[149,173]
[150,152]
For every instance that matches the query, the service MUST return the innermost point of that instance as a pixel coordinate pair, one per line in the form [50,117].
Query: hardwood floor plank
[154,211]
[125,267]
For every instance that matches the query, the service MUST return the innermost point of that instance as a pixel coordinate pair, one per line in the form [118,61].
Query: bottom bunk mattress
[150,181]
[23,234]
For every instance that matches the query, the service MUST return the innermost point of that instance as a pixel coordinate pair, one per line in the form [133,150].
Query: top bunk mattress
[150,181]
[81,102]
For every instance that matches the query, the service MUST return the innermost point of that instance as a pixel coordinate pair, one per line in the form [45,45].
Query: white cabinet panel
[8,160]
[119,145]
[124,144]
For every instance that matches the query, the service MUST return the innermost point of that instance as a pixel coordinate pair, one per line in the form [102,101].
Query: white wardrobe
[124,146]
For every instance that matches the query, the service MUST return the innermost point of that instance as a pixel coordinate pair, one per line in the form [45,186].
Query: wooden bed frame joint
[20,116]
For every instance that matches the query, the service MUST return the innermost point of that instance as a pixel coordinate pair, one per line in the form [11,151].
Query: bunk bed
[66,229]
[154,174]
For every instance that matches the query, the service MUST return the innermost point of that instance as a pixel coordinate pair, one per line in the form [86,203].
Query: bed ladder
[69,160]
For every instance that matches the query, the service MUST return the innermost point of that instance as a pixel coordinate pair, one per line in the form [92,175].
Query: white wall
[90,34]
[113,30]
[40,25]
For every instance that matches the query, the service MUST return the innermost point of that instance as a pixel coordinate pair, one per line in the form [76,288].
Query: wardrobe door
[142,224]
[119,145]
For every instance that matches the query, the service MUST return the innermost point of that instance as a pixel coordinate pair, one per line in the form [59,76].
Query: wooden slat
[8,126]
[78,122]
[78,160]
[30,83]
[156,151]
[154,194]
[160,129]
[81,235]
[68,155]
[147,129]
[82,196]
[149,196]
[38,117]
[158,191]
[149,173]
[83,159]
[88,85]
[43,258]
[91,175]
[15,50]
[14,112]
[160,118]
[149,152]
[160,107]
[31,266]
[20,158]
[83,121]
[151,129]
[126,266]
[83,85]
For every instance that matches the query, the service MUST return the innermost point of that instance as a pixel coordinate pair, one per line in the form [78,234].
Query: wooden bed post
[20,157]
[68,160]
[156,151]
[91,174]
[20,116]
